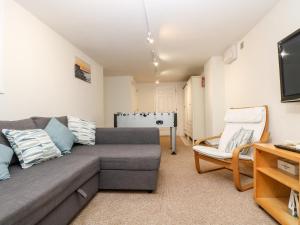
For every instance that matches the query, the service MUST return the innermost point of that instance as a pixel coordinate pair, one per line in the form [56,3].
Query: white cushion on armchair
[245,115]
[216,153]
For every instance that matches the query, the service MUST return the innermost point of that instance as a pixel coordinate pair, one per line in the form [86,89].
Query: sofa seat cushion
[124,157]
[31,194]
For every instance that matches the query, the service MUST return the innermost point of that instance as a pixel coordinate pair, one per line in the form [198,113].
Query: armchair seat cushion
[216,153]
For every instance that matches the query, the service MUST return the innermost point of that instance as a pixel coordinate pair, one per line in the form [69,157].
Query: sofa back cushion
[42,122]
[16,125]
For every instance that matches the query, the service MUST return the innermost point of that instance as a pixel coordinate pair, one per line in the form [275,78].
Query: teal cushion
[62,137]
[6,154]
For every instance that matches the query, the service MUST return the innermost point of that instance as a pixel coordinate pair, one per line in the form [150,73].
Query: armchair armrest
[127,136]
[202,140]
[236,168]
[238,150]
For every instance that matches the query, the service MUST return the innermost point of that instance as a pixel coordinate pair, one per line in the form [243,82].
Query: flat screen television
[289,65]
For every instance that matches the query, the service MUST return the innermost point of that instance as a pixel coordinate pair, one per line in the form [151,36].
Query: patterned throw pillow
[241,137]
[84,131]
[31,146]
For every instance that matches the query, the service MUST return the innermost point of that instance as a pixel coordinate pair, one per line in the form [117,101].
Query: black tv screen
[289,63]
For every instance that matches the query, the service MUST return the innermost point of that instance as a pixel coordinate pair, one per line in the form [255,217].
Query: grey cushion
[123,157]
[16,125]
[127,136]
[29,195]
[41,122]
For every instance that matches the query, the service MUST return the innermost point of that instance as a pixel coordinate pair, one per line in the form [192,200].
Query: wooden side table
[272,187]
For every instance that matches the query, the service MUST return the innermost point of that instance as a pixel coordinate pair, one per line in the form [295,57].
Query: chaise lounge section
[53,192]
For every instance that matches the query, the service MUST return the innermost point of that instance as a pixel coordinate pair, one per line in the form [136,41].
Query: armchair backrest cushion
[247,118]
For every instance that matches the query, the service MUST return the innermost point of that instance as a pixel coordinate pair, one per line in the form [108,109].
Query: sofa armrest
[127,136]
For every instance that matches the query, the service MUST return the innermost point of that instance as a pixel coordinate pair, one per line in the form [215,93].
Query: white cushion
[231,128]
[215,153]
[246,115]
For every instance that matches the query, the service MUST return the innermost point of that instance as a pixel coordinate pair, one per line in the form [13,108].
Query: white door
[166,99]
[169,98]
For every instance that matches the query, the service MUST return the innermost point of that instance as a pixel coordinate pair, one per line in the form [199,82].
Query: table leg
[173,135]
[170,137]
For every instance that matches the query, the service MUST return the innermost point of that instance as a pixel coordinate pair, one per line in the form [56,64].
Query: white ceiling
[186,32]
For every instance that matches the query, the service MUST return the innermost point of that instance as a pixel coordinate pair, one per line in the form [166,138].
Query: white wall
[214,96]
[118,97]
[134,96]
[146,97]
[254,78]
[1,43]
[39,72]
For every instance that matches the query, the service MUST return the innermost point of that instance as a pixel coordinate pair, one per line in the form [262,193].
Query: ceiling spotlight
[157,82]
[149,38]
[155,63]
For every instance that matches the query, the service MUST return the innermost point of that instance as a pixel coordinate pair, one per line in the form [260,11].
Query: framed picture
[82,70]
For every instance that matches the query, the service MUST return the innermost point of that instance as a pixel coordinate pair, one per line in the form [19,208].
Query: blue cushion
[62,137]
[6,154]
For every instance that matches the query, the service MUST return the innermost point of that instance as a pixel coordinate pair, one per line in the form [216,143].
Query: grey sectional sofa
[53,192]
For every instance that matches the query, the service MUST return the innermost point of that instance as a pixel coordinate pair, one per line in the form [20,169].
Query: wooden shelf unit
[272,187]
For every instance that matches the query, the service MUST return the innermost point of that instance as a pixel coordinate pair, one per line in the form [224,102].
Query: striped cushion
[31,146]
[241,137]
[84,131]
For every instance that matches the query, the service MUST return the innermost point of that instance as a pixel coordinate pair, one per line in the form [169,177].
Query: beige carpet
[182,197]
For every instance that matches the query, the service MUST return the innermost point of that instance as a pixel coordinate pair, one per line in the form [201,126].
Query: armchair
[251,118]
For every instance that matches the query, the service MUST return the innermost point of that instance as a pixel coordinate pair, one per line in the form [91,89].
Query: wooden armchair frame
[234,163]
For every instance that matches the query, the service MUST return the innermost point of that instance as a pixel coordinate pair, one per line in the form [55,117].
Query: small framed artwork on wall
[82,70]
